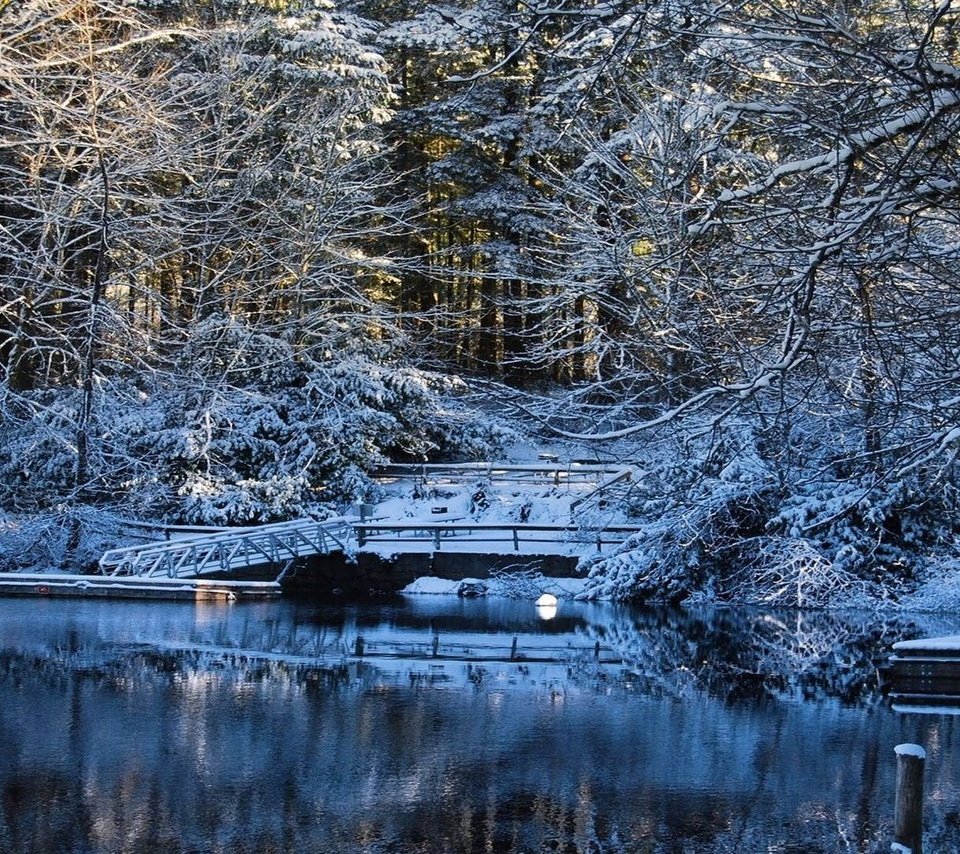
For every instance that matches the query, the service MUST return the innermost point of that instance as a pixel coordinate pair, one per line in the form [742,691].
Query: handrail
[624,474]
[434,531]
[507,472]
[482,466]
[486,526]
[223,534]
[228,549]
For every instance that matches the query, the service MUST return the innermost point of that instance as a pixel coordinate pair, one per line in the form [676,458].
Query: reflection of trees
[741,653]
[178,748]
[730,653]
[235,741]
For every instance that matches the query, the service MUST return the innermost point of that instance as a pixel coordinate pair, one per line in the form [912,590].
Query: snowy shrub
[778,519]
[255,430]
[243,501]
[243,427]
[647,568]
[61,537]
[792,572]
[854,520]
[939,588]
[691,524]
[37,450]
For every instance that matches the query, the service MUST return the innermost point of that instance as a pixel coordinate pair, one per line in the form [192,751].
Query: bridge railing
[603,489]
[555,473]
[483,533]
[229,550]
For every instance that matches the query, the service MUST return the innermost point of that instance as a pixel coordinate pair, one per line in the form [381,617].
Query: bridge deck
[223,551]
[228,551]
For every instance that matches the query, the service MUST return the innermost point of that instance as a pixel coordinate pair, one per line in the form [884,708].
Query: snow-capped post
[908,806]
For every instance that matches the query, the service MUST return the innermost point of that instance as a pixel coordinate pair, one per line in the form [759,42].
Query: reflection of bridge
[229,550]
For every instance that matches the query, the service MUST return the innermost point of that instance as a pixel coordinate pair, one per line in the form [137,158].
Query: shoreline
[45,585]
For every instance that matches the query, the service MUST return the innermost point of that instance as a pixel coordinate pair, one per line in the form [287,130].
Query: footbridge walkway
[229,550]
[279,545]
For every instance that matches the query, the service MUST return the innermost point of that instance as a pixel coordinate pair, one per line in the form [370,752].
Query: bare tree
[84,133]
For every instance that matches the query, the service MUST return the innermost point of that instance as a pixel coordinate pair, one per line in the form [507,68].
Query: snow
[515,501]
[944,644]
[431,585]
[910,750]
[523,585]
[924,709]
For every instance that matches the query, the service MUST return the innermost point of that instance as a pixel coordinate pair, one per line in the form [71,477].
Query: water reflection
[173,727]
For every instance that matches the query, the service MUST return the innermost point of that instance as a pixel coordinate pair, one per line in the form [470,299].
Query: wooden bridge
[229,550]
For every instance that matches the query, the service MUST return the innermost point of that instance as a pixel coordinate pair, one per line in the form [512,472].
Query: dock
[924,676]
[192,589]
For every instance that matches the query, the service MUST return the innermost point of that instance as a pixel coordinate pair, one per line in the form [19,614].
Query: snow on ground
[535,501]
[523,586]
[531,501]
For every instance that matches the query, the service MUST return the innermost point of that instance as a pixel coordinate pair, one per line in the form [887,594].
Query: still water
[173,727]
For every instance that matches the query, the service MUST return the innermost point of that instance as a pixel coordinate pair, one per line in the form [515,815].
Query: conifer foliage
[246,249]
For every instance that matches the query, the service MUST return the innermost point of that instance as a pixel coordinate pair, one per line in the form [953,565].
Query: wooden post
[436,538]
[908,805]
[436,645]
[358,647]
[513,649]
[516,540]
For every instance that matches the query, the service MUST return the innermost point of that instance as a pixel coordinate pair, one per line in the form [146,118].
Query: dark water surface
[155,727]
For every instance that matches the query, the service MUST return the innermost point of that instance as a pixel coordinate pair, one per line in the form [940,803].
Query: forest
[249,249]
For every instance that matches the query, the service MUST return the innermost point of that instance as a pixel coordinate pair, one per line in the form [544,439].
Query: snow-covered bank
[56,584]
[518,585]
[524,530]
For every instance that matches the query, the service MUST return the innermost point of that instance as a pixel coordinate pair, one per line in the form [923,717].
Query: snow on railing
[515,533]
[602,489]
[230,550]
[555,473]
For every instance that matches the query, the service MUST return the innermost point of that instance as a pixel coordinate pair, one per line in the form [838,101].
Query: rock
[470,588]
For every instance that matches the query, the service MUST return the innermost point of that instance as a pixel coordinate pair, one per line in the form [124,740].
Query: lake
[468,725]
